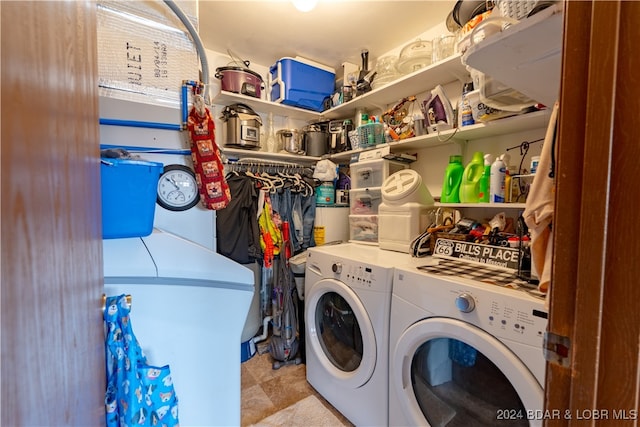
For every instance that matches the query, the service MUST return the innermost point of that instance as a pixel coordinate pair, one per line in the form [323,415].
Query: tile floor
[266,391]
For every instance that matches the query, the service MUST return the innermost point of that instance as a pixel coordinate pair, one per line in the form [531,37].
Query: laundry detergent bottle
[483,195]
[470,186]
[452,179]
[498,176]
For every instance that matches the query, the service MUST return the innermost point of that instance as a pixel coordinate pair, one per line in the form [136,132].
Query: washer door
[446,370]
[340,332]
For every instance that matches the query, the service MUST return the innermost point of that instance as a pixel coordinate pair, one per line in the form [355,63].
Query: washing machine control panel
[505,313]
[363,276]
[506,316]
[509,318]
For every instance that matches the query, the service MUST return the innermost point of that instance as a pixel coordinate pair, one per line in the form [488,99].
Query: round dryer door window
[460,375]
[341,332]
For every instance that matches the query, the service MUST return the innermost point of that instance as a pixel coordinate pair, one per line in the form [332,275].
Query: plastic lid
[455,159]
[400,184]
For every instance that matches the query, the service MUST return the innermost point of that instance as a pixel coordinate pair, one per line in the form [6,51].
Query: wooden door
[52,337]
[595,286]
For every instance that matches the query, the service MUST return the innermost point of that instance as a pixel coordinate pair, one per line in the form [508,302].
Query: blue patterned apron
[137,394]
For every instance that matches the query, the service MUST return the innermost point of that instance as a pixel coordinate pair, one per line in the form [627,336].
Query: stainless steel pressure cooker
[241,127]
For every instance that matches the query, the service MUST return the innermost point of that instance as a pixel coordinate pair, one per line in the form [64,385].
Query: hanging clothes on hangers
[237,230]
[291,196]
[270,233]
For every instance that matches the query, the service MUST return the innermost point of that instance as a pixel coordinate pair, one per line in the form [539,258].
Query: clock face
[177,188]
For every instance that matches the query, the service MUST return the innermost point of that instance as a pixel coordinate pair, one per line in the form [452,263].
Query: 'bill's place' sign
[497,256]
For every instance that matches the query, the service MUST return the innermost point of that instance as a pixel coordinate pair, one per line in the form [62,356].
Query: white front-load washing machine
[464,352]
[347,306]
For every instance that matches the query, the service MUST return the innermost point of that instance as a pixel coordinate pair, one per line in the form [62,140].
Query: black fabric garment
[238,234]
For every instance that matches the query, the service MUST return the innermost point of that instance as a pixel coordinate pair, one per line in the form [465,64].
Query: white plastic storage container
[399,225]
[372,173]
[363,228]
[365,201]
[404,212]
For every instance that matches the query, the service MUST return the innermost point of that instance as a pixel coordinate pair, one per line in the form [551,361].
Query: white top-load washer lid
[172,258]
[363,253]
[405,186]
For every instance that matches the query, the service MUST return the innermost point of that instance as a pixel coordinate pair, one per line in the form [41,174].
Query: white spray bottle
[498,174]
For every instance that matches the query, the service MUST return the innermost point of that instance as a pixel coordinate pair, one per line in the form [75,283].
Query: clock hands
[173,181]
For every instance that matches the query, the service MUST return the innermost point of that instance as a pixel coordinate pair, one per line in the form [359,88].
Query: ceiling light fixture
[305,5]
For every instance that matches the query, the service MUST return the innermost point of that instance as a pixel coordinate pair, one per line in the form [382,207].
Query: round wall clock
[177,188]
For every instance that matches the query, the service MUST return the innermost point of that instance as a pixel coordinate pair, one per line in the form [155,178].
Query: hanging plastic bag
[212,185]
[137,393]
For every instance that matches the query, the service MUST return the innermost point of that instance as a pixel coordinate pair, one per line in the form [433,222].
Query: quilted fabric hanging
[212,185]
[137,394]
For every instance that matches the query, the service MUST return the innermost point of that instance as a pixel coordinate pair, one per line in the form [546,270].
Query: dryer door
[340,332]
[448,371]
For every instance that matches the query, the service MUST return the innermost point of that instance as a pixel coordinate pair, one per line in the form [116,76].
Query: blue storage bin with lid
[301,83]
[128,189]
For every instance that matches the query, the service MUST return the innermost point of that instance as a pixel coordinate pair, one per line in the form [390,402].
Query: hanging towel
[540,206]
[212,185]
[137,394]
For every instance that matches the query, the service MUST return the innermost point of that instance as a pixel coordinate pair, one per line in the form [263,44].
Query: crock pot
[240,80]
[241,127]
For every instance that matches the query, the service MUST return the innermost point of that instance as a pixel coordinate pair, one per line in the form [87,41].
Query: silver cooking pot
[290,140]
[316,140]
[241,127]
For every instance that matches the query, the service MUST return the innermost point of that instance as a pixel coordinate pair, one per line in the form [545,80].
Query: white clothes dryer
[464,352]
[347,307]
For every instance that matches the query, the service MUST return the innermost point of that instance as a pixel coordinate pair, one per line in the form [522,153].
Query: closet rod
[104,301]
[261,162]
[246,163]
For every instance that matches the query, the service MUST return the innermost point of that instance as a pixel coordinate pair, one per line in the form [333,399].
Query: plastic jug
[470,186]
[452,179]
[483,195]
[498,175]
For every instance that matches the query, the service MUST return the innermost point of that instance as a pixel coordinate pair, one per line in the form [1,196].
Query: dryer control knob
[465,303]
[337,267]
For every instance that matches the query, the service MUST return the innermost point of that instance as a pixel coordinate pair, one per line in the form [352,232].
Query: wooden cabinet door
[595,285]
[52,335]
